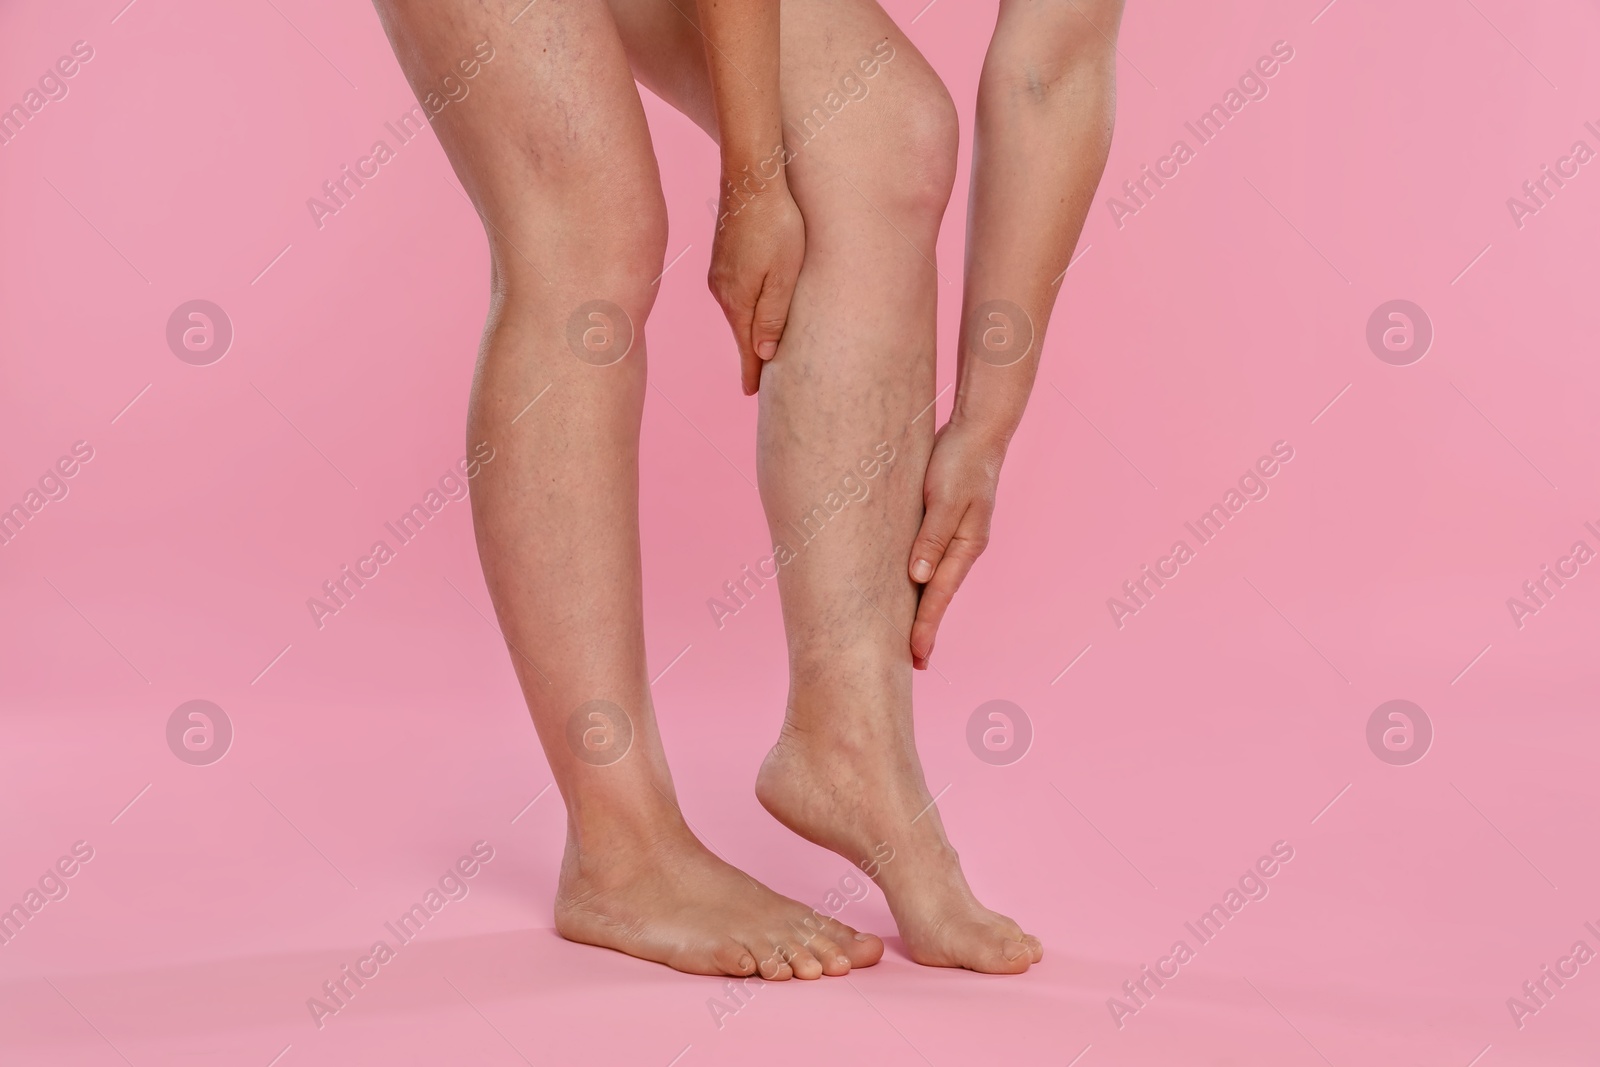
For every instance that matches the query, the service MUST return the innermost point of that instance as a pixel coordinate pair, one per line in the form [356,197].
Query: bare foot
[674,902]
[863,797]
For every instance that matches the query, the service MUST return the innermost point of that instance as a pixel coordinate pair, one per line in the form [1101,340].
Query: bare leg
[552,145]
[843,449]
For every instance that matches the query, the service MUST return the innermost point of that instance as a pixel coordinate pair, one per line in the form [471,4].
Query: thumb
[771,315]
[933,539]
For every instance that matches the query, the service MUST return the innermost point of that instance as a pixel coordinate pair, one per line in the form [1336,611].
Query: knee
[594,238]
[1036,46]
[582,276]
[620,261]
[919,151]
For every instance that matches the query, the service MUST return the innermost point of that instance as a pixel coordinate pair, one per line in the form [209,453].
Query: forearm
[1046,105]
[742,48]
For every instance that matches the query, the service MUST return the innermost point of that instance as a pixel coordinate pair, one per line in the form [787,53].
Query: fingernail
[767,349]
[1013,950]
[921,570]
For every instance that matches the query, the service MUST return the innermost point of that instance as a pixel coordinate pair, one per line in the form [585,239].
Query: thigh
[536,108]
[855,90]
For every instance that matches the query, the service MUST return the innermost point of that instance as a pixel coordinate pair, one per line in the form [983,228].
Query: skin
[760,241]
[1046,106]
[553,149]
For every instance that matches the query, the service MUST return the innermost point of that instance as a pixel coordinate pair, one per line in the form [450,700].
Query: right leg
[552,146]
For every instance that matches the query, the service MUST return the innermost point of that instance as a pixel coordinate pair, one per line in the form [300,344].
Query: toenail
[746,962]
[863,937]
[1013,950]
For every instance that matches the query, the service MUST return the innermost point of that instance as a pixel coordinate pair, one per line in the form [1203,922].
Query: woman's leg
[845,434]
[552,146]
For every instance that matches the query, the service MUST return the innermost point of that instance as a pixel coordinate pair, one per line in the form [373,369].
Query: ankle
[840,728]
[612,829]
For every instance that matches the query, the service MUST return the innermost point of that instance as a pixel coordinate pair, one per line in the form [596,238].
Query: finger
[771,314]
[938,527]
[739,308]
[749,372]
[959,556]
[927,550]
[749,366]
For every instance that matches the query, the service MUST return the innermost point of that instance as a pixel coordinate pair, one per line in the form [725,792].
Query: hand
[755,260]
[958,494]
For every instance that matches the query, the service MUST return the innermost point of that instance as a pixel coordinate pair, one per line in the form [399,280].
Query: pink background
[1223,317]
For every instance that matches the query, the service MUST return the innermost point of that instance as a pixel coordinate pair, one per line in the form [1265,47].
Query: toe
[1017,950]
[733,958]
[773,967]
[802,962]
[862,950]
[831,956]
[988,947]
[1005,956]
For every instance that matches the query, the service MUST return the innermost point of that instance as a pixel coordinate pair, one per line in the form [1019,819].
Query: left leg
[845,435]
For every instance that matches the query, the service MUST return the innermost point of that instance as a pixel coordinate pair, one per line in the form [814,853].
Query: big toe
[1000,955]
[861,949]
[989,948]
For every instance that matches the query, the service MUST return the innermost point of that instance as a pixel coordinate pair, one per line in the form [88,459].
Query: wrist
[753,170]
[987,429]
